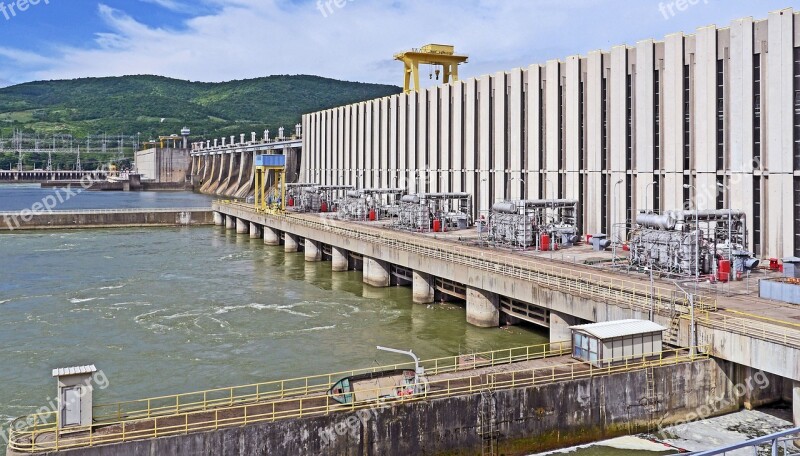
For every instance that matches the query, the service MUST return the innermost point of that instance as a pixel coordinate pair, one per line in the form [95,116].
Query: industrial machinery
[321,198]
[370,204]
[526,223]
[682,242]
[294,192]
[431,54]
[434,212]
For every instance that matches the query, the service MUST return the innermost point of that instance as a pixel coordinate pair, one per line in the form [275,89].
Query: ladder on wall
[487,423]
[674,332]
[651,398]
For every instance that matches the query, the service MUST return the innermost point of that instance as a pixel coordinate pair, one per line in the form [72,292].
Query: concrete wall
[527,419]
[164,165]
[103,219]
[451,138]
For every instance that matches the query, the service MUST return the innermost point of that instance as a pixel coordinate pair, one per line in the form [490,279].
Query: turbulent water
[163,311]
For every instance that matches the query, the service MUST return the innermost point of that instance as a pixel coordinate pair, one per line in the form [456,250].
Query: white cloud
[251,38]
[168,4]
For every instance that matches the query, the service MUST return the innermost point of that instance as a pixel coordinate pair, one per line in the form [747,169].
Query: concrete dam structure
[658,125]
[226,167]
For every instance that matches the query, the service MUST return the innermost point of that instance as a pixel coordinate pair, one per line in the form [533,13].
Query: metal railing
[636,295]
[243,412]
[749,327]
[779,443]
[244,395]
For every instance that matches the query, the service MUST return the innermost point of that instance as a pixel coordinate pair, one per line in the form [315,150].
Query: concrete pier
[796,406]
[242,226]
[313,251]
[290,243]
[483,308]
[423,291]
[230,222]
[339,260]
[272,236]
[219,219]
[255,231]
[559,325]
[377,273]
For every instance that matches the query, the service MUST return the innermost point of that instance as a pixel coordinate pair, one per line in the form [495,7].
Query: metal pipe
[417,370]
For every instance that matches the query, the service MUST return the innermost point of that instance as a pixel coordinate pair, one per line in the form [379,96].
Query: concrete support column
[313,251]
[422,288]
[339,261]
[483,308]
[290,243]
[242,226]
[377,273]
[230,222]
[219,219]
[255,231]
[559,326]
[796,406]
[272,236]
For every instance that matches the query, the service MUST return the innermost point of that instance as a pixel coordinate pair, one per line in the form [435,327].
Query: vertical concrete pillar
[255,231]
[272,236]
[422,288]
[313,251]
[339,260]
[377,273]
[290,243]
[559,326]
[242,226]
[483,308]
[230,222]
[796,405]
[219,219]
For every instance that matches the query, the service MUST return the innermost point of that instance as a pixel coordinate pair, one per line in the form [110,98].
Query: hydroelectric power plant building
[710,119]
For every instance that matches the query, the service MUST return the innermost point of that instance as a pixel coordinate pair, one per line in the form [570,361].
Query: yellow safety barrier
[635,295]
[239,414]
[162,407]
[788,336]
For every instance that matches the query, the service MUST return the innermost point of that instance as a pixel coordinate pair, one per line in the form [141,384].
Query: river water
[164,311]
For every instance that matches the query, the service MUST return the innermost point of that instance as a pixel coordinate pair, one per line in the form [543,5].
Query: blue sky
[219,40]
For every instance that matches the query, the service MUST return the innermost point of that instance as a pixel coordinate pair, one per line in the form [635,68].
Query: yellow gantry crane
[270,168]
[443,55]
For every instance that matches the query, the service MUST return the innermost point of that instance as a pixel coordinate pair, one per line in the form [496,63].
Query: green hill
[136,104]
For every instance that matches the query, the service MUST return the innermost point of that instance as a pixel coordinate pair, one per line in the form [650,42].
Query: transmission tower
[50,156]
[78,162]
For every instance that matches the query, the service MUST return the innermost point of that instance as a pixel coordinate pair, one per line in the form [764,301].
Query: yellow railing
[299,407]
[750,327]
[537,376]
[308,387]
[636,295]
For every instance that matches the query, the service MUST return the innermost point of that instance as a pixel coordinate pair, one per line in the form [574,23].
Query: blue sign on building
[271,160]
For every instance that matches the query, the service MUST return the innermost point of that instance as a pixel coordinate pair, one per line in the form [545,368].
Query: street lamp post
[613,236]
[696,237]
[645,195]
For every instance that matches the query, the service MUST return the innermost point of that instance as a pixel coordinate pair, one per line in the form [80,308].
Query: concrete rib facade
[621,130]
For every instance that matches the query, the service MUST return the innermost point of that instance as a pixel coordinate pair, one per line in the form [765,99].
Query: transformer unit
[369,204]
[527,223]
[434,212]
[320,198]
[294,193]
[681,242]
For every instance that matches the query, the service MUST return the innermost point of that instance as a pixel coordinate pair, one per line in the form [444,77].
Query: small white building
[603,344]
